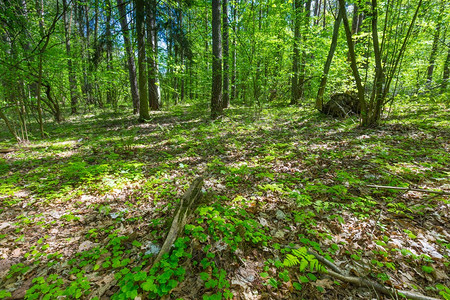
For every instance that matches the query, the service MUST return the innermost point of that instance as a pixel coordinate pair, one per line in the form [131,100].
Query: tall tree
[301,76]
[353,64]
[216,95]
[226,66]
[73,82]
[140,32]
[233,95]
[295,88]
[130,56]
[109,48]
[434,47]
[152,57]
[326,68]
[446,72]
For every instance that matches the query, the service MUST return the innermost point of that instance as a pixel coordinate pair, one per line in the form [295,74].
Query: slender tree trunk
[130,56]
[140,28]
[40,11]
[376,101]
[324,23]
[109,45]
[226,66]
[446,73]
[84,42]
[216,97]
[401,52]
[353,65]
[73,85]
[326,69]
[233,95]
[152,62]
[434,48]
[301,79]
[295,90]
[317,4]
[9,126]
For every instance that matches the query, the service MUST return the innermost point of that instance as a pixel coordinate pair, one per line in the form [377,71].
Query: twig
[338,274]
[7,150]
[407,189]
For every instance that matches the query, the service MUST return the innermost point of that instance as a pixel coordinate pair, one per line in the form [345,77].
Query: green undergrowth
[278,184]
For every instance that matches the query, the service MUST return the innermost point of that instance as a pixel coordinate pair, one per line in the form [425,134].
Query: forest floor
[83,212]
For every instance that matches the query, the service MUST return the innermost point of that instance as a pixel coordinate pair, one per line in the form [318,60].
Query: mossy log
[342,105]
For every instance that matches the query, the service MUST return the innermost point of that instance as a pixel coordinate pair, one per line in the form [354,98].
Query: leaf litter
[302,180]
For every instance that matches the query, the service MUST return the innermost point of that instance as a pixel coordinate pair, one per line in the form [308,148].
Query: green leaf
[149,285]
[297,286]
[427,269]
[204,276]
[304,279]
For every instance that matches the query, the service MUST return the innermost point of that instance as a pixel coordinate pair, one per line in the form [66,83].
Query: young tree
[216,95]
[130,55]
[326,68]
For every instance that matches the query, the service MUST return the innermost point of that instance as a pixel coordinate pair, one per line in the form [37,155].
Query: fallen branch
[7,150]
[407,189]
[188,202]
[339,274]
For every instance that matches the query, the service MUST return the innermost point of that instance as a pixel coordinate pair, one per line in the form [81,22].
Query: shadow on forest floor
[96,198]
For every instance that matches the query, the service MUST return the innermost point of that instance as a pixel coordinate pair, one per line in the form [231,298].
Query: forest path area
[85,212]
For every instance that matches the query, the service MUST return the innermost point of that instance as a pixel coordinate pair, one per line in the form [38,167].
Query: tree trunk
[216,97]
[140,28]
[353,64]
[434,49]
[72,76]
[301,79]
[40,11]
[109,45]
[233,96]
[326,69]
[130,56]
[226,67]
[152,62]
[376,101]
[9,126]
[446,72]
[296,55]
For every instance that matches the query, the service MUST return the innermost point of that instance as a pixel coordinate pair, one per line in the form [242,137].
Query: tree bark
[376,101]
[40,11]
[353,65]
[152,60]
[140,28]
[109,45]
[130,56]
[434,48]
[9,126]
[216,96]
[233,95]
[187,205]
[326,69]
[73,85]
[296,54]
[446,73]
[226,67]
[301,79]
